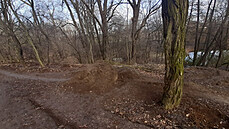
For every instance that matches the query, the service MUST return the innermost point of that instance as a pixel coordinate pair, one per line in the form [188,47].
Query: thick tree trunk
[103,13]
[174,15]
[133,33]
[132,50]
[104,41]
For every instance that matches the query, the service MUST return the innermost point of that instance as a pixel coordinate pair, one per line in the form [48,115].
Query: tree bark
[174,14]
[103,13]
[136,8]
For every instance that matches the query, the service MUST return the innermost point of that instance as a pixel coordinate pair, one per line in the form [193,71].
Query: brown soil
[98,78]
[104,96]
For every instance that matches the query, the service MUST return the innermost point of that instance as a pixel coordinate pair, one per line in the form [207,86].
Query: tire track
[58,121]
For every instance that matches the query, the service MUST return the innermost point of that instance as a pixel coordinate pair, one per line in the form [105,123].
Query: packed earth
[102,95]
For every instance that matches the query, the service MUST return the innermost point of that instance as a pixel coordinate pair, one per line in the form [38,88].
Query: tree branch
[92,13]
[112,13]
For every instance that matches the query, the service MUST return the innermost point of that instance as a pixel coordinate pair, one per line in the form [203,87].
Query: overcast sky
[122,10]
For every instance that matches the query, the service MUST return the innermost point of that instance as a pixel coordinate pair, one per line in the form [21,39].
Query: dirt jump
[105,96]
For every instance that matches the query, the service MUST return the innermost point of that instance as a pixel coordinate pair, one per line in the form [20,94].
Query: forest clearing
[36,97]
[119,64]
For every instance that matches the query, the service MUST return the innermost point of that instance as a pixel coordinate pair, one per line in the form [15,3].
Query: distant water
[191,54]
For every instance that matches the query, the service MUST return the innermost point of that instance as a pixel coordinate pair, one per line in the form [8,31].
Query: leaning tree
[174,14]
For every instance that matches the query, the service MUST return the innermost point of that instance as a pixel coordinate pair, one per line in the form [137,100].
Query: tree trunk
[132,51]
[29,39]
[103,13]
[19,49]
[133,33]
[225,39]
[8,28]
[209,44]
[104,40]
[174,14]
[196,47]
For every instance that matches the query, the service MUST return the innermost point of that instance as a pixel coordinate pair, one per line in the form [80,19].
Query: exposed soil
[98,78]
[105,96]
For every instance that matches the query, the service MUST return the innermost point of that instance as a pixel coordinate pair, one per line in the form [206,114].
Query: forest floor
[105,96]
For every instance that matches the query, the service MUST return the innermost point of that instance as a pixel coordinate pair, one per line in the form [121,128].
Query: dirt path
[15,109]
[208,83]
[29,101]
[19,109]
[31,77]
[203,92]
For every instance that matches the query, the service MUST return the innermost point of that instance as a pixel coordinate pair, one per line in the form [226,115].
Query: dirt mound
[98,78]
[125,73]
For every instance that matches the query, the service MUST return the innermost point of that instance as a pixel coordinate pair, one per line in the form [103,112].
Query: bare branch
[92,13]
[151,11]
[113,11]
[29,4]
[131,4]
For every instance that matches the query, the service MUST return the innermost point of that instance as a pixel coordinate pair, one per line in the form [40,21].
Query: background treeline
[129,31]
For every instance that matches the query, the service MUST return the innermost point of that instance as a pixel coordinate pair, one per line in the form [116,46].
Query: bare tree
[106,12]
[37,23]
[8,27]
[135,31]
[210,43]
[28,37]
